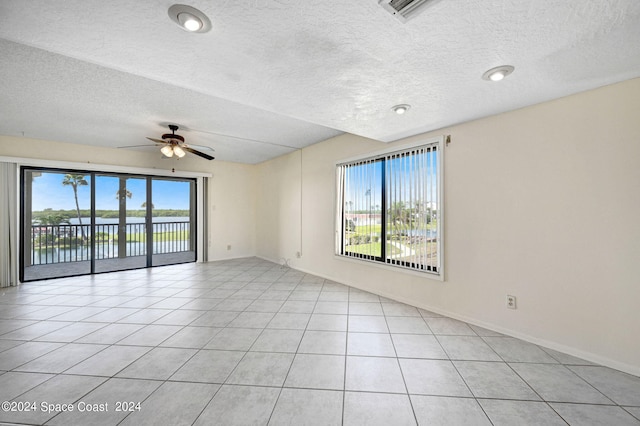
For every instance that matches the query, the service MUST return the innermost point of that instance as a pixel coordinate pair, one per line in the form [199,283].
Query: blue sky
[364,186]
[48,192]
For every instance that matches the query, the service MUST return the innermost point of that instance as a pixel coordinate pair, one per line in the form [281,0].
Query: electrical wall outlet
[511,301]
[298,254]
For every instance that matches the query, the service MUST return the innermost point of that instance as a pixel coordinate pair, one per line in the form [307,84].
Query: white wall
[542,203]
[278,208]
[232,211]
[232,197]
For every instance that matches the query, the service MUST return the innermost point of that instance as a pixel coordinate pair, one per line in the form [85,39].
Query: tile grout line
[346,359]
[284,381]
[404,381]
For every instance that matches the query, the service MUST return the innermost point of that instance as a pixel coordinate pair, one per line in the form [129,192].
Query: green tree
[74,181]
[53,220]
[398,213]
[144,206]
[423,210]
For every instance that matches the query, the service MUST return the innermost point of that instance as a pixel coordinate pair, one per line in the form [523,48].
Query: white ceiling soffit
[337,64]
[55,97]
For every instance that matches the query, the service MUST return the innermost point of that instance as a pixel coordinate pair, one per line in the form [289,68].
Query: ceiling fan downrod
[173,135]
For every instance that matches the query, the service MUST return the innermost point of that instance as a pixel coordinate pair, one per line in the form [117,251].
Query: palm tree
[121,195]
[144,206]
[74,180]
[368,207]
[127,194]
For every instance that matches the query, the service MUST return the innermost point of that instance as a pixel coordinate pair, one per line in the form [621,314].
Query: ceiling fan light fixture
[179,152]
[498,73]
[167,151]
[189,18]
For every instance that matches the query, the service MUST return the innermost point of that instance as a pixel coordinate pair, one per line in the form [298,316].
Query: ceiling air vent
[405,9]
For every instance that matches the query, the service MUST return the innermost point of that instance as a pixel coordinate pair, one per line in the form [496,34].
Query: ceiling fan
[173,144]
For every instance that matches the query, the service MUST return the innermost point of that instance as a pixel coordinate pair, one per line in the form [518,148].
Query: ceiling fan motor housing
[171,136]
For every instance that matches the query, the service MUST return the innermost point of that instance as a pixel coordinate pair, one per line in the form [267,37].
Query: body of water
[104,251]
[430,233]
[160,224]
[115,220]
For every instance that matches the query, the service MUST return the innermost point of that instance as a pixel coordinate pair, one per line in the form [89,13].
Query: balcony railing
[72,243]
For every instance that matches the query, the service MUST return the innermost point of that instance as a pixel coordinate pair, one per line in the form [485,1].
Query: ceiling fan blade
[200,147]
[201,154]
[157,140]
[137,146]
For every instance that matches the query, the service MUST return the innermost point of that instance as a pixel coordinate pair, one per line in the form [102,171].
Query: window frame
[340,214]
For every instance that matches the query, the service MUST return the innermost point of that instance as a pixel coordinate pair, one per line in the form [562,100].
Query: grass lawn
[374,249]
[365,229]
[159,236]
[377,229]
[371,249]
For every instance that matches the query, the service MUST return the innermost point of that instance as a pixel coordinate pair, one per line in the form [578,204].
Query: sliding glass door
[120,223]
[173,221]
[76,223]
[56,224]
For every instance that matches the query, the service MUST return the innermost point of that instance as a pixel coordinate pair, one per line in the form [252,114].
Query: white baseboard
[218,259]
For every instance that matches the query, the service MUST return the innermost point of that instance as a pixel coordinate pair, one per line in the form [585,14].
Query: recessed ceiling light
[190,22]
[401,109]
[498,73]
[189,18]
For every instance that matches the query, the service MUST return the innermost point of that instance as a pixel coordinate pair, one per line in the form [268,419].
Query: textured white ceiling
[277,75]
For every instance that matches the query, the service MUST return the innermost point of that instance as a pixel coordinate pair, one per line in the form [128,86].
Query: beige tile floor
[248,342]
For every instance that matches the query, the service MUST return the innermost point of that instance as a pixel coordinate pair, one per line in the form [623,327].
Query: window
[389,208]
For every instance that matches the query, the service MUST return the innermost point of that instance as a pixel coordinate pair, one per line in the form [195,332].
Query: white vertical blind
[411,177]
[340,210]
[8,225]
[388,208]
